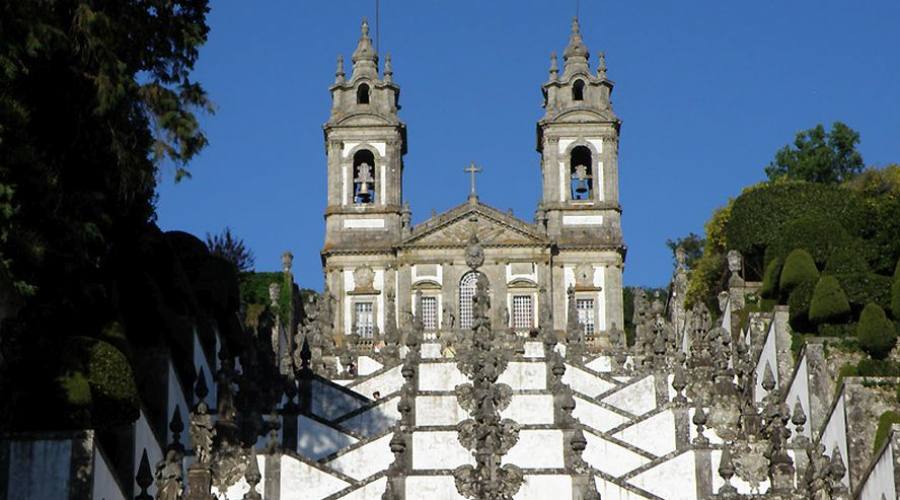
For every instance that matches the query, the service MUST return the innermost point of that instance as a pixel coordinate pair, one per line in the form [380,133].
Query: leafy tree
[709,274]
[829,302]
[798,306]
[817,156]
[895,293]
[799,268]
[692,244]
[769,289]
[232,249]
[875,333]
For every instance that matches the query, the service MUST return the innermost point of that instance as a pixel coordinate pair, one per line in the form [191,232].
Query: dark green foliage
[692,244]
[844,330]
[881,230]
[798,303]
[798,268]
[817,156]
[829,303]
[875,333]
[231,248]
[846,259]
[863,288]
[895,299]
[760,215]
[818,236]
[769,289]
[885,422]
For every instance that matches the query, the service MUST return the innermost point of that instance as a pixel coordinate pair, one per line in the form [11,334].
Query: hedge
[818,235]
[829,303]
[759,215]
[769,289]
[848,258]
[798,268]
[798,304]
[110,390]
[863,288]
[875,333]
[845,330]
[885,422]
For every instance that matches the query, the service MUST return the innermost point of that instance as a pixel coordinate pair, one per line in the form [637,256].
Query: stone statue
[169,476]
[474,253]
[202,432]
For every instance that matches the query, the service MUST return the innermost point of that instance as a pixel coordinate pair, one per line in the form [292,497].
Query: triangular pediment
[493,227]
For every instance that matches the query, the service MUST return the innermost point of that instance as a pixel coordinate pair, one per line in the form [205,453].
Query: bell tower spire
[576,55]
[365,59]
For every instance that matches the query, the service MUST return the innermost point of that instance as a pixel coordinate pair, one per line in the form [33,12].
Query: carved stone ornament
[363,279]
[584,276]
[474,253]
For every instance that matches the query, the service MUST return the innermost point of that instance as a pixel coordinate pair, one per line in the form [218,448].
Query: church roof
[494,228]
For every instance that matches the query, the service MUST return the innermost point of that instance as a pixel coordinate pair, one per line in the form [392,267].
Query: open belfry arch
[574,244]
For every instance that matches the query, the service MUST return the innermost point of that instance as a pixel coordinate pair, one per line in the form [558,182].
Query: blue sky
[707,91]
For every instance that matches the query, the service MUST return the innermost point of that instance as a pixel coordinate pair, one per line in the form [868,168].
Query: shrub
[769,289]
[798,304]
[816,234]
[829,303]
[885,423]
[877,335]
[895,298]
[863,288]
[845,330]
[847,259]
[798,268]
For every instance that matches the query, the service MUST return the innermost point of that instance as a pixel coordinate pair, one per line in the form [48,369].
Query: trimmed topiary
[817,234]
[895,292]
[863,288]
[876,334]
[829,302]
[799,268]
[798,307]
[769,289]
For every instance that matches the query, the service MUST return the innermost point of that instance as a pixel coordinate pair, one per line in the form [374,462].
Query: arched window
[362,94]
[364,177]
[578,90]
[581,173]
[466,295]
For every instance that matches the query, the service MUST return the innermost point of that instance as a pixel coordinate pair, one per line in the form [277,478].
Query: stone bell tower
[365,142]
[578,140]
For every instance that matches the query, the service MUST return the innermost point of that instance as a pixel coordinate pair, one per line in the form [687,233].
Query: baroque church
[379,266]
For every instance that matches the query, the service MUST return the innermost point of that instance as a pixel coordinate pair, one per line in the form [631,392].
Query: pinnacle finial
[554,65]
[601,66]
[364,55]
[388,68]
[576,54]
[339,71]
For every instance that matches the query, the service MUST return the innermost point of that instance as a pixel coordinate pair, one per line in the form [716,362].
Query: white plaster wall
[301,481]
[637,398]
[365,365]
[768,355]
[105,486]
[144,439]
[177,399]
[880,483]
[600,364]
[595,416]
[610,457]
[835,434]
[386,382]
[726,317]
[534,350]
[439,410]
[38,469]
[240,488]
[316,440]
[439,450]
[600,300]
[381,147]
[680,470]
[655,434]
[437,276]
[585,382]
[537,449]
[370,491]
[530,409]
[440,376]
[432,488]
[524,376]
[612,491]
[545,487]
[331,403]
[376,419]
[799,391]
[370,458]
[430,350]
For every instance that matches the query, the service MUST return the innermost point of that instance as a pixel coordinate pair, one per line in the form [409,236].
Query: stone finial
[253,477]
[339,71]
[836,471]
[287,261]
[274,293]
[388,69]
[144,477]
[554,66]
[799,419]
[576,52]
[601,72]
[679,383]
[726,471]
[699,419]
[200,388]
[365,60]
[176,425]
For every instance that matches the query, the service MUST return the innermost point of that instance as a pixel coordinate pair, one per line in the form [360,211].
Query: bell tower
[578,139]
[365,142]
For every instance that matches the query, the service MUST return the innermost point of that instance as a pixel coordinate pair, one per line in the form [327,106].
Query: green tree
[232,249]
[895,293]
[829,302]
[876,334]
[692,244]
[817,156]
[799,268]
[769,289]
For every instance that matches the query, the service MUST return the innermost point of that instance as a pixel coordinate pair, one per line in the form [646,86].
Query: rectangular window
[365,319]
[523,313]
[585,309]
[429,313]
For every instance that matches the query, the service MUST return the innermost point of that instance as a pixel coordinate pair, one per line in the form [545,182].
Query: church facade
[379,268]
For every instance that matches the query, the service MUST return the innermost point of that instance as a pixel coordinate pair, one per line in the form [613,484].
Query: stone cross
[472,170]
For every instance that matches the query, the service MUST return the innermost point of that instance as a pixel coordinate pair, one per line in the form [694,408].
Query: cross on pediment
[472,169]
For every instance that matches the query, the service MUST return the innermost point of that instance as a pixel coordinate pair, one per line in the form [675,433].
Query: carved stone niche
[364,281]
[584,278]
